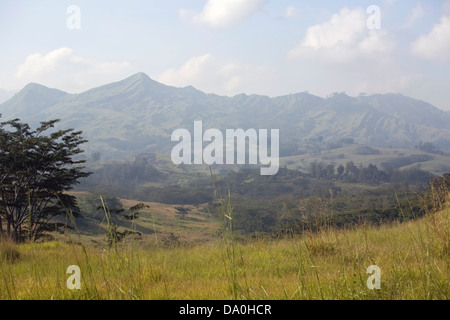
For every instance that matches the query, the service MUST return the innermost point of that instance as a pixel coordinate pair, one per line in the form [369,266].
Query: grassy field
[413,258]
[157,223]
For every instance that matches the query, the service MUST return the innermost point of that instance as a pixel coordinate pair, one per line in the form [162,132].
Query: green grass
[413,257]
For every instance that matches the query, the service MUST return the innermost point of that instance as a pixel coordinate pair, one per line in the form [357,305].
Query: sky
[227,47]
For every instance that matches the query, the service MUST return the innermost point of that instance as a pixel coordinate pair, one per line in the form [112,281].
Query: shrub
[9,252]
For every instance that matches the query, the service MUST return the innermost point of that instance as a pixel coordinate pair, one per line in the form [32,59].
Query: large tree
[37,167]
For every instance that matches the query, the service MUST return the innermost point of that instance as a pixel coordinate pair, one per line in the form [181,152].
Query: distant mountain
[31,100]
[138,115]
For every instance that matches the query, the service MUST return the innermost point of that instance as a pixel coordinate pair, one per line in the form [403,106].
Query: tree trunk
[11,231]
[1,228]
[15,235]
[8,227]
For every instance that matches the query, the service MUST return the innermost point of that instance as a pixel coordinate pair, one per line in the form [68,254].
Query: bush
[9,252]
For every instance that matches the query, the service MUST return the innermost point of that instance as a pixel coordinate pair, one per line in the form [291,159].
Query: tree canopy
[36,170]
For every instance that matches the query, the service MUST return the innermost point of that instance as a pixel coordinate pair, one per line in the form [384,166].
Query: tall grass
[321,263]
[232,257]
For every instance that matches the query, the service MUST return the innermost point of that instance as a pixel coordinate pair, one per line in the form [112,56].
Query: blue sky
[270,47]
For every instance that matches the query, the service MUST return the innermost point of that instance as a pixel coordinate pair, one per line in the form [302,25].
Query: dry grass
[196,227]
[331,264]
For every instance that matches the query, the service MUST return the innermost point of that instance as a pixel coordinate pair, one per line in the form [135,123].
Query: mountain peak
[140,80]
[35,86]
[139,76]
[32,99]
[136,83]
[36,89]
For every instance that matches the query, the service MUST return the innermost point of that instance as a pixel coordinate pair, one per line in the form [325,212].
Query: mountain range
[138,115]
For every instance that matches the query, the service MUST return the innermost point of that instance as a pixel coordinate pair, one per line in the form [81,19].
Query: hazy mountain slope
[139,114]
[31,101]
[411,110]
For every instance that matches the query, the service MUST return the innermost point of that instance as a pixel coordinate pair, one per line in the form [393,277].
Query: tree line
[367,174]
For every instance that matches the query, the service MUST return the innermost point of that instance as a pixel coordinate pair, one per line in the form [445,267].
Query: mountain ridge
[138,114]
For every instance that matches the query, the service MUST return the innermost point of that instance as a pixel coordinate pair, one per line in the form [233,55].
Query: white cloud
[342,30]
[64,70]
[416,13]
[342,39]
[36,65]
[211,75]
[193,70]
[343,54]
[223,14]
[375,42]
[436,44]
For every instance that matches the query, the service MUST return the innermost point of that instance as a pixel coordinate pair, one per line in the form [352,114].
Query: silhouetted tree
[182,211]
[36,170]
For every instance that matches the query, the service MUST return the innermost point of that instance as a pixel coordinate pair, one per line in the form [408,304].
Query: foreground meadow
[413,258]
